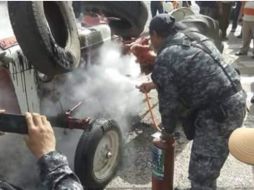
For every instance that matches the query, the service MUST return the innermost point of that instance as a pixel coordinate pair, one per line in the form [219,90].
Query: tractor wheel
[98,154]
[47,33]
[206,26]
[129,17]
[181,13]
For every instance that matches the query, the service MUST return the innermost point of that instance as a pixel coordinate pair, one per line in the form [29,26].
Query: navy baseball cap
[162,24]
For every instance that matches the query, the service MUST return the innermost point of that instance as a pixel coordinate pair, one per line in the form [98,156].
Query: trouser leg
[204,168]
[236,14]
[153,8]
[204,171]
[246,30]
[224,19]
[209,12]
[160,8]
[77,7]
[210,144]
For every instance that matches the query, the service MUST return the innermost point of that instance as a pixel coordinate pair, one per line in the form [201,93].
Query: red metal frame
[74,123]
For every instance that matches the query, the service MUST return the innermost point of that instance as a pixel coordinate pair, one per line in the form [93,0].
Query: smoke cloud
[107,89]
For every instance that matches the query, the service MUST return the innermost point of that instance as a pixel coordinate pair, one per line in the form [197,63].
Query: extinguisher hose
[151,112]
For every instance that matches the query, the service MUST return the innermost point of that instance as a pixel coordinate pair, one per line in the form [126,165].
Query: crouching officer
[190,74]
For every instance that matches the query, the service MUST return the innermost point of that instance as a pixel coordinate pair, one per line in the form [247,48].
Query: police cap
[163,24]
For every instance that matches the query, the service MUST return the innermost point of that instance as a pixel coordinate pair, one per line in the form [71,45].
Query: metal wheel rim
[106,155]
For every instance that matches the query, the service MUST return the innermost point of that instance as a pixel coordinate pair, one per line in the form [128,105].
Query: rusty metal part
[67,121]
[74,123]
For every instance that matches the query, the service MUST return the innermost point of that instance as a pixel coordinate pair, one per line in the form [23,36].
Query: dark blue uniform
[56,174]
[189,78]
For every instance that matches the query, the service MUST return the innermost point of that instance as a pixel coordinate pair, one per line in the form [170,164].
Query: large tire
[206,26]
[181,13]
[201,23]
[132,14]
[47,34]
[94,165]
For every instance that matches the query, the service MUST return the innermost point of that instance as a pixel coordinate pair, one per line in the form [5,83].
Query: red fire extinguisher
[162,157]
[163,163]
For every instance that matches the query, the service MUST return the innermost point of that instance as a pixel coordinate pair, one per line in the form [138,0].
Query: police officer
[55,172]
[191,76]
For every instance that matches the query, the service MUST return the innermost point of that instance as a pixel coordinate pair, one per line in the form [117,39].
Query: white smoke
[107,88]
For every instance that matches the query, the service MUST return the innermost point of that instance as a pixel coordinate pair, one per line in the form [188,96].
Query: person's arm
[55,172]
[167,95]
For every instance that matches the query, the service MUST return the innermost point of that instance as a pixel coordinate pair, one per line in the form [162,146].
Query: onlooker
[156,6]
[236,11]
[209,8]
[218,10]
[247,15]
[241,145]
[55,172]
[78,7]
[224,14]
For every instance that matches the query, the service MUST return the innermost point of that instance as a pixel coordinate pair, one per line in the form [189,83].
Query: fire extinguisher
[162,163]
[162,157]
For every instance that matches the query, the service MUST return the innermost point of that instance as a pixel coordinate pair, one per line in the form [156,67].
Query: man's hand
[146,87]
[41,139]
